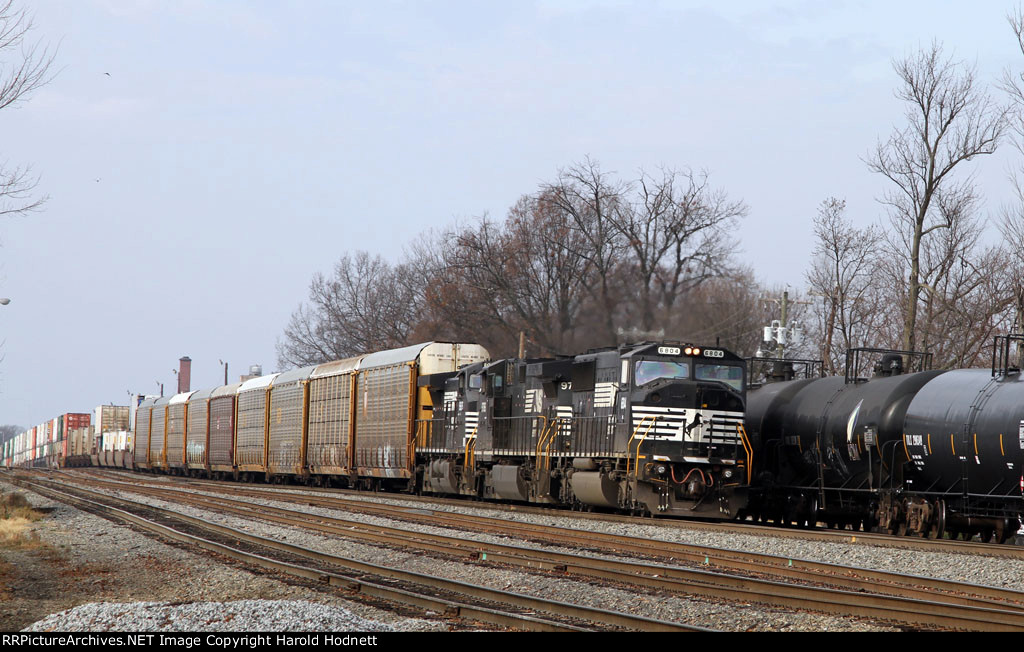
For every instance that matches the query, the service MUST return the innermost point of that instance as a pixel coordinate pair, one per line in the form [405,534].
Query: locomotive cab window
[728,374]
[648,371]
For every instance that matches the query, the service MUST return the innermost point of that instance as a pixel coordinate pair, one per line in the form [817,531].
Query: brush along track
[914,601]
[456,599]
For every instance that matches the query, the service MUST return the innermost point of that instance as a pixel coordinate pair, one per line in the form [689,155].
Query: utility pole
[783,332]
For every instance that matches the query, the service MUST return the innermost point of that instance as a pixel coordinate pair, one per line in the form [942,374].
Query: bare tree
[567,266]
[591,201]
[950,120]
[368,305]
[1011,223]
[9,431]
[729,311]
[526,273]
[844,275]
[677,231]
[24,68]
[1012,228]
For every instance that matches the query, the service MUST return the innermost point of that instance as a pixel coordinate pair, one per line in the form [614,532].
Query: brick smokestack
[184,374]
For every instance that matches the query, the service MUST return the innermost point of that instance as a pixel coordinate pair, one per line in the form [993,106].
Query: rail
[920,601]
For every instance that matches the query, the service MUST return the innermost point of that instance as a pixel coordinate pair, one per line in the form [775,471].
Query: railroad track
[1006,551]
[453,598]
[782,568]
[724,574]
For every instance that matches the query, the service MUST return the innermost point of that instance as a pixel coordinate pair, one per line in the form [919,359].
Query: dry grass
[16,518]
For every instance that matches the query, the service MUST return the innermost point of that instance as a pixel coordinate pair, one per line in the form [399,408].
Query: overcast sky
[237,147]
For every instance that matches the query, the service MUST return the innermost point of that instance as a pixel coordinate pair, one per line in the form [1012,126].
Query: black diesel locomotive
[653,427]
[926,453]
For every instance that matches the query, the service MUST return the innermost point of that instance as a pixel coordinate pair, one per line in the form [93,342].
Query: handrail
[748,447]
[654,419]
[544,444]
[523,436]
[470,450]
[551,439]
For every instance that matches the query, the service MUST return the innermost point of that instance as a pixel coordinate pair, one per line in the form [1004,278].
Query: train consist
[661,428]
[926,453]
[653,427]
[102,438]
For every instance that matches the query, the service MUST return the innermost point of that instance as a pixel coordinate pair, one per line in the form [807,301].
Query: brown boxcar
[286,437]
[386,400]
[251,424]
[331,427]
[177,420]
[143,429]
[222,428]
[197,441]
[158,434]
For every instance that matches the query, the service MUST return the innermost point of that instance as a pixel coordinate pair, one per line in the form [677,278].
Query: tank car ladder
[817,445]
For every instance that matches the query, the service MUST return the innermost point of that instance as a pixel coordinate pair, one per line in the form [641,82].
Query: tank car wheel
[938,527]
[1008,533]
[810,518]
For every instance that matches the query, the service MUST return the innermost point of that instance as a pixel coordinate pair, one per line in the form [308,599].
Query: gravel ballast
[76,558]
[239,616]
[728,616]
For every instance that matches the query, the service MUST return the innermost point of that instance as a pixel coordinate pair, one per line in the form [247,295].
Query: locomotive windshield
[647,371]
[728,374]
